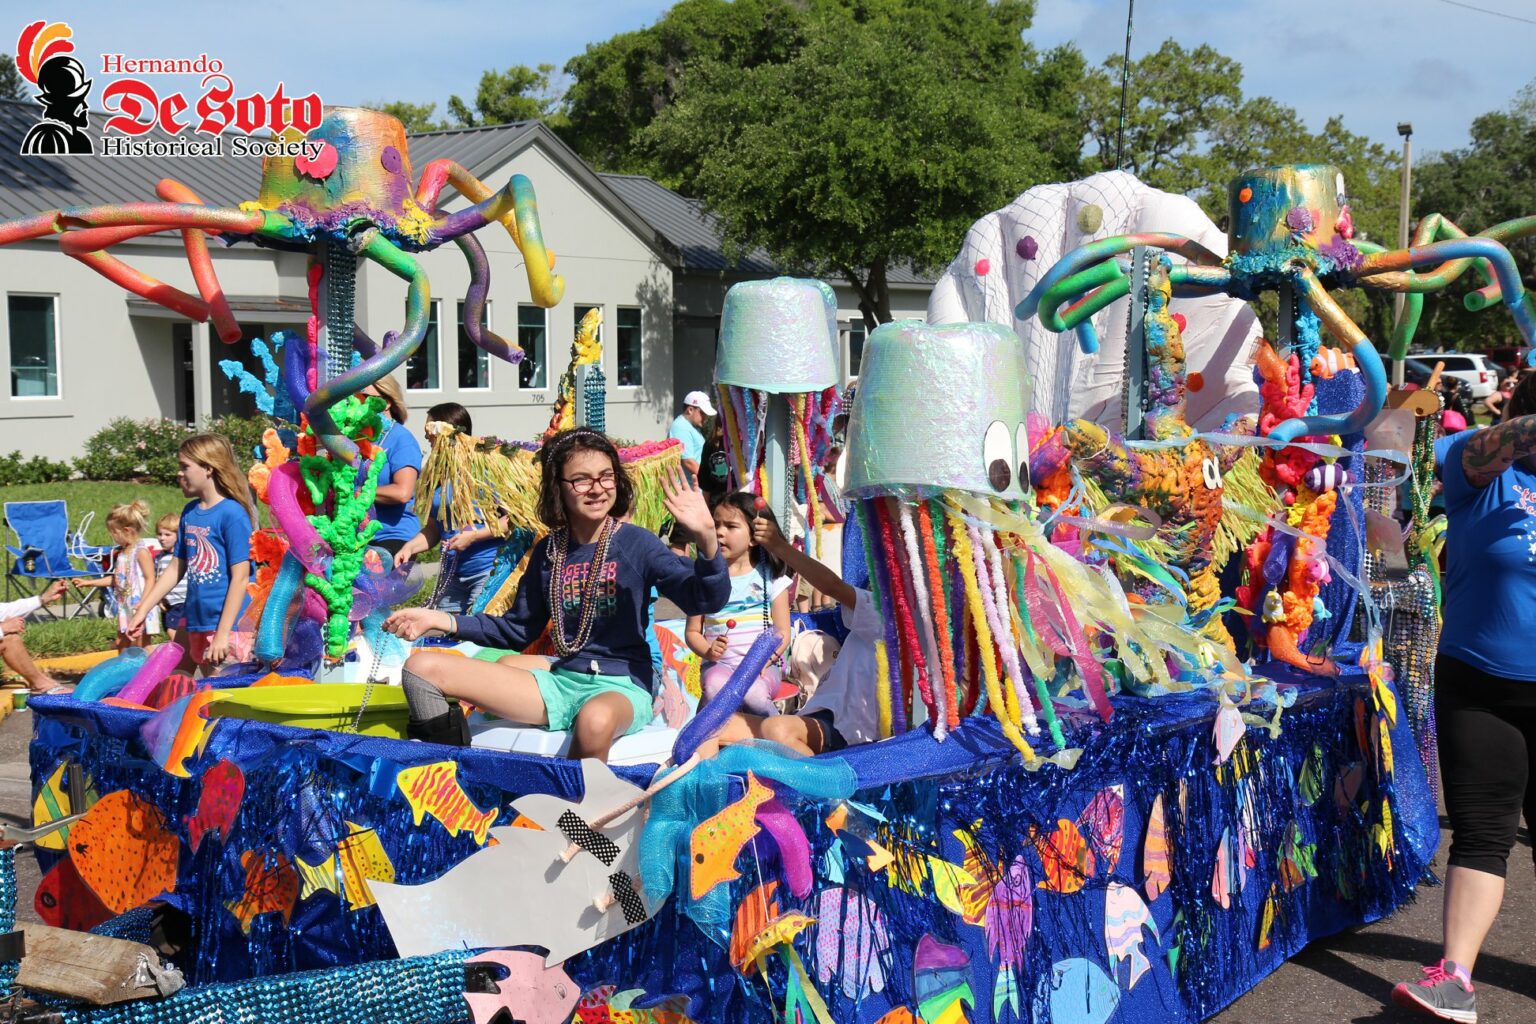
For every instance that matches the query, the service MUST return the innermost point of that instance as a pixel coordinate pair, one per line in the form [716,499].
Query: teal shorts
[566,690]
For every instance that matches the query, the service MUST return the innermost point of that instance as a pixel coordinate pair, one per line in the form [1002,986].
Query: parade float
[1144,741]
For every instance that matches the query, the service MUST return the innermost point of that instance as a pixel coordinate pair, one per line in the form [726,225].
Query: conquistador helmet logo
[43,58]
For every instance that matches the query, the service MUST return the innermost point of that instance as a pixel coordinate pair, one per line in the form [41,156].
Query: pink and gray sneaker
[1445,992]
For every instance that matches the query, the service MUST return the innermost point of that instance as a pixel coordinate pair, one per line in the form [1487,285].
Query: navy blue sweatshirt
[637,561]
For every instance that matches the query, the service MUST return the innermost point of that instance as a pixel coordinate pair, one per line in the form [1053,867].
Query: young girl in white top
[133,569]
[759,601]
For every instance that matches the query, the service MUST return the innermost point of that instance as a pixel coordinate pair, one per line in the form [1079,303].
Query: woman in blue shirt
[1485,686]
[393,502]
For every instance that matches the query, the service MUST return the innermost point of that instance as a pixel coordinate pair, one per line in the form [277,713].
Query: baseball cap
[699,400]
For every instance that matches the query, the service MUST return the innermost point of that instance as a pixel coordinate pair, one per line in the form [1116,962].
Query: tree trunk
[874,293]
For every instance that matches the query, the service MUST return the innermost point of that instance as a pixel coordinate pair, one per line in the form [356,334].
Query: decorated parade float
[1144,734]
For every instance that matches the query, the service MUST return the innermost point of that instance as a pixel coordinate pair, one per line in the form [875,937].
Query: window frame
[852,324]
[435,320]
[640,328]
[58,347]
[479,353]
[521,387]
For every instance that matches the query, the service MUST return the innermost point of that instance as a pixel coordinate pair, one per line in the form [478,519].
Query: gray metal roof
[696,234]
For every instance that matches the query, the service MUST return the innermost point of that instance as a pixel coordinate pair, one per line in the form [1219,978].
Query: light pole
[1405,129]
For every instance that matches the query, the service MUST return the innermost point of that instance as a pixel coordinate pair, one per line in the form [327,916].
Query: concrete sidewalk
[1342,979]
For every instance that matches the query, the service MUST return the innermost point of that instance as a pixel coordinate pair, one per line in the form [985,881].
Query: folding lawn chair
[42,552]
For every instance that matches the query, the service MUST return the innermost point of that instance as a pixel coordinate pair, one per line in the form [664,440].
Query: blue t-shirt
[637,561]
[209,541]
[1490,560]
[401,451]
[475,560]
[693,440]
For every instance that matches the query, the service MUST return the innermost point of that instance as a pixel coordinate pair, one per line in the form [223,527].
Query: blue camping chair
[42,554]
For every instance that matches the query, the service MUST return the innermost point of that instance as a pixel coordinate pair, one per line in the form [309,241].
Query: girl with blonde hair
[213,553]
[133,567]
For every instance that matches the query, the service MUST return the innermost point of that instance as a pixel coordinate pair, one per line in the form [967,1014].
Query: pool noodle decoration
[304,540]
[106,679]
[273,632]
[159,664]
[713,715]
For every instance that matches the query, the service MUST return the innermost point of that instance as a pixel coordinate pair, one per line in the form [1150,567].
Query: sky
[1435,63]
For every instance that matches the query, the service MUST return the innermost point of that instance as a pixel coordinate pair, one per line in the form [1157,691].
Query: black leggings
[1487,731]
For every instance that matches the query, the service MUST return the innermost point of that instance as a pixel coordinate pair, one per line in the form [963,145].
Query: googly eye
[1210,469]
[1021,445]
[1338,185]
[997,456]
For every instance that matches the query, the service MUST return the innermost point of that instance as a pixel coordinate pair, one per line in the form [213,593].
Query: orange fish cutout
[976,896]
[180,731]
[434,789]
[717,841]
[271,886]
[1154,853]
[124,852]
[1065,856]
[880,859]
[761,926]
[900,1015]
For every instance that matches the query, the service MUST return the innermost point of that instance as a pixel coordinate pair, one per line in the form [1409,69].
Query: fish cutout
[433,789]
[838,819]
[1229,729]
[53,803]
[941,980]
[531,992]
[1310,787]
[717,841]
[879,857]
[757,908]
[1079,992]
[1005,992]
[171,689]
[1103,824]
[1386,844]
[1221,876]
[63,900]
[1065,858]
[593,1007]
[1384,749]
[1244,855]
[217,803]
[832,863]
[362,858]
[123,851]
[321,877]
[271,887]
[1362,730]
[852,943]
[180,732]
[1010,915]
[1297,859]
[573,906]
[914,872]
[1155,865]
[1267,920]
[900,1015]
[1347,787]
[1125,915]
[1173,950]
[975,897]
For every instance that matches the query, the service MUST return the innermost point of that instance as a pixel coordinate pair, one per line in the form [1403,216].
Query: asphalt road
[1342,979]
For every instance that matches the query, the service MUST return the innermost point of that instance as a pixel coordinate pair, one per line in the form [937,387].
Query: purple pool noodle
[106,679]
[304,541]
[713,715]
[160,663]
[794,848]
[296,371]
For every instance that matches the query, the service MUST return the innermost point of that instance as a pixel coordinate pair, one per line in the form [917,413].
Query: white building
[81,350]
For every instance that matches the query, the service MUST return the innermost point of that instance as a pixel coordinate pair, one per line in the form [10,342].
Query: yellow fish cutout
[52,803]
[717,841]
[1385,743]
[909,871]
[434,789]
[1383,833]
[976,897]
[315,878]
[362,857]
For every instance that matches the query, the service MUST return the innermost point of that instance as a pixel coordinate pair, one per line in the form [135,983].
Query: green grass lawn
[97,496]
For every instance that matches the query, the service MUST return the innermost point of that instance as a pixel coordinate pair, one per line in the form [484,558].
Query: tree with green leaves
[878,140]
[1480,185]
[519,93]
[12,85]
[417,117]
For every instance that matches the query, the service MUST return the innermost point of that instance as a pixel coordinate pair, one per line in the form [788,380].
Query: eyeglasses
[585,484]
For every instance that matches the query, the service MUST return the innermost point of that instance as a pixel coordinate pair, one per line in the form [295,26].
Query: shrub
[141,450]
[16,471]
[244,432]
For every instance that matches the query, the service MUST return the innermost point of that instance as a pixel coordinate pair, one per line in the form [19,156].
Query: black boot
[450,729]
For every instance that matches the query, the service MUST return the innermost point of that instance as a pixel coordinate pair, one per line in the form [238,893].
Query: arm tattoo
[1492,451]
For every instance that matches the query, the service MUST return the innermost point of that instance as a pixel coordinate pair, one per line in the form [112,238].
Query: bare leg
[504,690]
[737,729]
[802,735]
[600,721]
[1472,900]
[15,655]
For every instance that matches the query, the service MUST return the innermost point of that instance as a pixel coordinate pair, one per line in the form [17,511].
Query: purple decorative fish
[1010,915]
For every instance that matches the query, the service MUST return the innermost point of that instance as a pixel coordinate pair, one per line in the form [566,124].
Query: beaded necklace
[558,541]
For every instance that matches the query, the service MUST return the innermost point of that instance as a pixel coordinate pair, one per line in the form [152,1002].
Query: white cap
[699,400]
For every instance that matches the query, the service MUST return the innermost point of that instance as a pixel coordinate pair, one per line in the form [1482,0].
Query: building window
[34,346]
[855,345]
[628,359]
[532,338]
[580,313]
[421,370]
[474,361]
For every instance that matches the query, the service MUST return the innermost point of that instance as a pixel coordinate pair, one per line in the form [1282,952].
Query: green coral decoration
[347,529]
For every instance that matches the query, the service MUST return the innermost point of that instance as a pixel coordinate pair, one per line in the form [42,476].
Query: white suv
[1472,368]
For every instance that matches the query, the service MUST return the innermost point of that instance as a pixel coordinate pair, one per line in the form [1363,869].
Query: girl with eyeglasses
[588,582]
